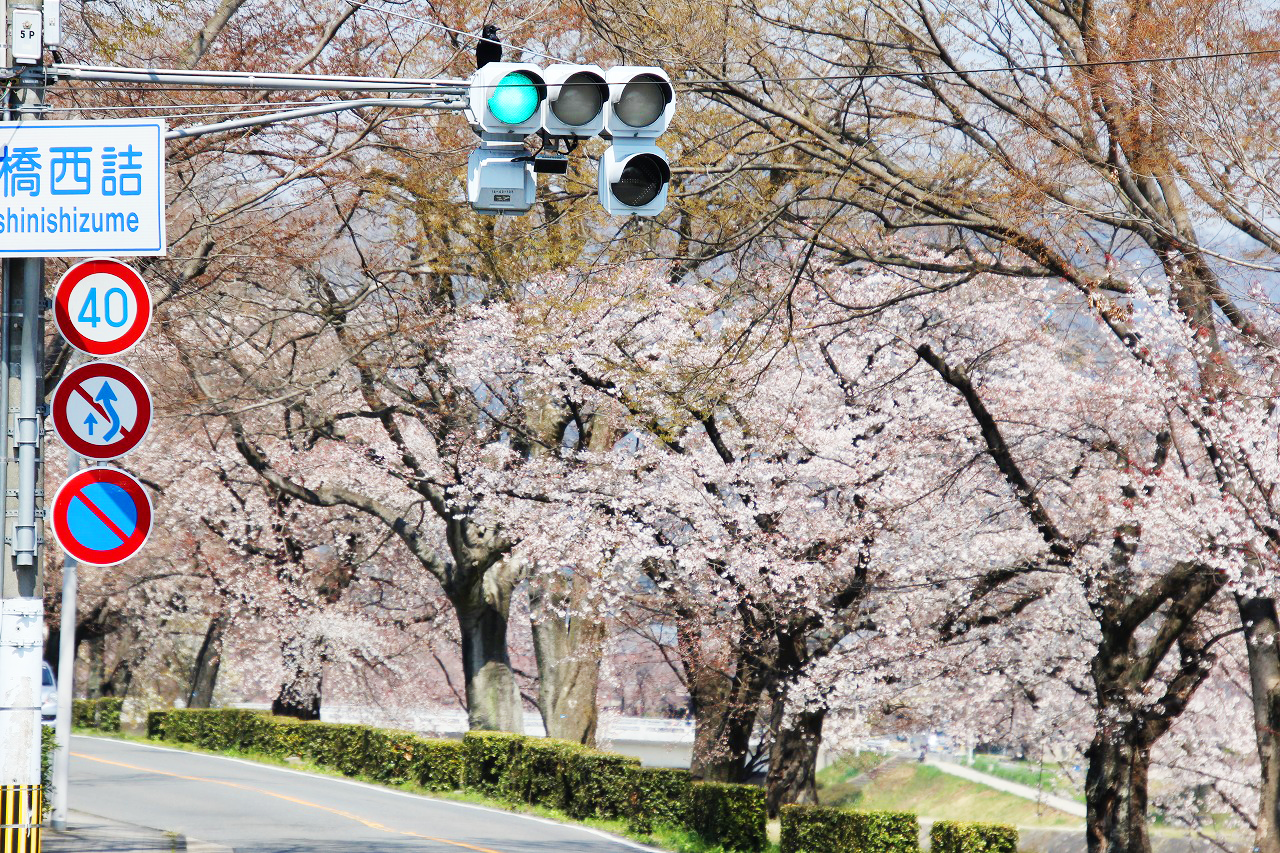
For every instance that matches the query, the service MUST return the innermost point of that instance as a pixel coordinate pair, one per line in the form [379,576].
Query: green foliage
[157,724]
[887,832]
[658,796]
[814,829]
[218,730]
[108,715]
[488,759]
[539,772]
[730,815]
[102,714]
[438,764]
[385,756]
[47,744]
[598,784]
[953,836]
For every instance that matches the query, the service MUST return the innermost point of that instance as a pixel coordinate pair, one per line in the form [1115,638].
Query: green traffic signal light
[515,98]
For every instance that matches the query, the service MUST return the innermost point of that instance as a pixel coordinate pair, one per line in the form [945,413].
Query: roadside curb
[89,833]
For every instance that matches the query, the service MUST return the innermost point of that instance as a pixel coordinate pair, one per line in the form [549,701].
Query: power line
[1058,66]
[440,26]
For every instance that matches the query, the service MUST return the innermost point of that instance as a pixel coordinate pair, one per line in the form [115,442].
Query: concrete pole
[21,590]
[66,680]
[21,486]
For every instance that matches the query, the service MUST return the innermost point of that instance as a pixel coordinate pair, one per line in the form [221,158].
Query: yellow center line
[339,812]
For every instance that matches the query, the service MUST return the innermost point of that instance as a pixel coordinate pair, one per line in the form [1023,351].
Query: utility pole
[21,480]
[66,680]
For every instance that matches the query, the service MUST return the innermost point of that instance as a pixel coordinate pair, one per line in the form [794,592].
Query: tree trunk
[52,643]
[568,647]
[204,673]
[1262,632]
[493,701]
[1116,788]
[793,758]
[300,694]
[724,712]
[95,648]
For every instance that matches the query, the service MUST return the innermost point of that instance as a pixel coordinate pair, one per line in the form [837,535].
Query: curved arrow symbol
[106,397]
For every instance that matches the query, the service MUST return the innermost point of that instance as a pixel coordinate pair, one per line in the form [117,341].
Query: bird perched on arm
[488,50]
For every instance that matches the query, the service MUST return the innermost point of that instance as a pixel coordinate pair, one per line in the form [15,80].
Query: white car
[48,695]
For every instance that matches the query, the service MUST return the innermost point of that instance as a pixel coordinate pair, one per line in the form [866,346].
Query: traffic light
[506,98]
[634,171]
[575,102]
[630,105]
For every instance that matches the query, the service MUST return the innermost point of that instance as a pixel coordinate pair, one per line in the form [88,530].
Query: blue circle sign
[101,516]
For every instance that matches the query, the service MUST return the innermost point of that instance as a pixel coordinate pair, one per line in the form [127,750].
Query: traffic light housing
[633,180]
[630,105]
[634,171]
[500,180]
[506,99]
[576,102]
[641,102]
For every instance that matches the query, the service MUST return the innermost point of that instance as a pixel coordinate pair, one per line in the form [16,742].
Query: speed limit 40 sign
[101,307]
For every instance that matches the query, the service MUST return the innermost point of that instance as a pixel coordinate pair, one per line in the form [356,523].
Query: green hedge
[47,744]
[812,829]
[887,832]
[732,816]
[385,756]
[599,783]
[539,772]
[487,760]
[953,836]
[658,796]
[102,714]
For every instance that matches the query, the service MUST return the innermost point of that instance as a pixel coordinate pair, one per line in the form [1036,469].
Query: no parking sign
[101,516]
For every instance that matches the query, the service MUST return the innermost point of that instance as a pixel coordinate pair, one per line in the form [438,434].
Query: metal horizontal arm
[254,80]
[455,104]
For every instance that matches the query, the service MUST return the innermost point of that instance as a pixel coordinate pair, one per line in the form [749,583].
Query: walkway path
[1027,792]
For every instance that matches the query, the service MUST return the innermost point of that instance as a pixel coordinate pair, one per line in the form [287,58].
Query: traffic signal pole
[21,576]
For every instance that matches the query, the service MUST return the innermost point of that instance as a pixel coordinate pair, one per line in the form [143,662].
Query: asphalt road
[257,808]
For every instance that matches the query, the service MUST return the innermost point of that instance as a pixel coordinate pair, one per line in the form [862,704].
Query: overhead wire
[960,72]
[439,26]
[878,75]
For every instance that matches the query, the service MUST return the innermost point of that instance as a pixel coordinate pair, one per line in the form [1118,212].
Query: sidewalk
[86,833]
[1062,804]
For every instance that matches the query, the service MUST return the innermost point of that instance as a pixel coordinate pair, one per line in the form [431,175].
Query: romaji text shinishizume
[63,221]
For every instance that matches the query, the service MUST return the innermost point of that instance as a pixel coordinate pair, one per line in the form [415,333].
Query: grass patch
[930,793]
[666,837]
[835,782]
[1046,777]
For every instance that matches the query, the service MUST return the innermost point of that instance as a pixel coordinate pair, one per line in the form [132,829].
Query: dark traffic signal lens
[643,177]
[580,99]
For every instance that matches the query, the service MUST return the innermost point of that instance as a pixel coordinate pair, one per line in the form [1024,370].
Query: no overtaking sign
[101,410]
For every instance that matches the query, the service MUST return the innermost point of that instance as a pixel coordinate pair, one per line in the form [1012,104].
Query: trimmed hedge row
[730,815]
[658,795]
[953,836]
[557,774]
[812,829]
[570,777]
[102,714]
[385,756]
